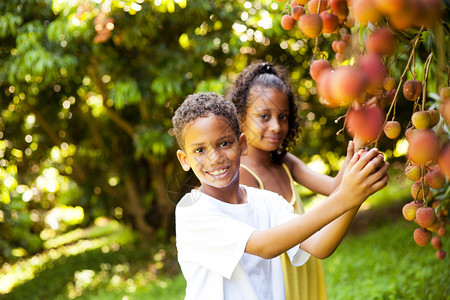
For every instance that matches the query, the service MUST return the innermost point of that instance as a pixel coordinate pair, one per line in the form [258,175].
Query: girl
[268,117]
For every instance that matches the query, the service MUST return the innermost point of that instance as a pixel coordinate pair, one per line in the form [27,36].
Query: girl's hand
[365,174]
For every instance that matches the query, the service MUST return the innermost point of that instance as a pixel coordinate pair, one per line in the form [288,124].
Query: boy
[229,236]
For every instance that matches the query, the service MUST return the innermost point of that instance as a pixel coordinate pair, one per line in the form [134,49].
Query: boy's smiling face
[213,151]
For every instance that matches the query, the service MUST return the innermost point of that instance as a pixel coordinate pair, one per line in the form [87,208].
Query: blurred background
[89,178]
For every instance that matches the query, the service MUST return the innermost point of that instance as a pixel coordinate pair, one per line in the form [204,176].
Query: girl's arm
[362,178]
[314,181]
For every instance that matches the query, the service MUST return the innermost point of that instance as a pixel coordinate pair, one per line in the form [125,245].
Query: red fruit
[412,89]
[441,231]
[340,56]
[310,25]
[340,9]
[365,11]
[409,210]
[314,4]
[434,117]
[422,236]
[330,22]
[435,179]
[365,123]
[435,226]
[294,3]
[444,109]
[390,6]
[392,129]
[346,83]
[419,190]
[436,243]
[444,93]
[440,254]
[425,216]
[287,22]
[407,16]
[297,11]
[381,42]
[431,12]
[373,69]
[423,147]
[324,90]
[444,160]
[317,66]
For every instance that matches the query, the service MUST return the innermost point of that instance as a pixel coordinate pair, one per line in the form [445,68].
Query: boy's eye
[199,150]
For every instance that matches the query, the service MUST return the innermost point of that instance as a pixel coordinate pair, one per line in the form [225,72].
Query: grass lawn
[378,259]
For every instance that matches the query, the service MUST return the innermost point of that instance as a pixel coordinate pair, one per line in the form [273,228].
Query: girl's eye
[264,116]
[283,117]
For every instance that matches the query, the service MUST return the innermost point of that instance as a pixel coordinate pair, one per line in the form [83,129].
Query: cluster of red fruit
[103,27]
[364,84]
[313,20]
[428,166]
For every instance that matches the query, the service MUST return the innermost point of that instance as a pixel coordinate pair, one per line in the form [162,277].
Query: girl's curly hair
[266,75]
[203,104]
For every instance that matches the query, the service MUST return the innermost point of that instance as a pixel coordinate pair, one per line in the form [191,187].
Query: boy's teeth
[218,172]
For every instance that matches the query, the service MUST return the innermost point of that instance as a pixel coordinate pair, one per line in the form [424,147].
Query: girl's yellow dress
[306,282]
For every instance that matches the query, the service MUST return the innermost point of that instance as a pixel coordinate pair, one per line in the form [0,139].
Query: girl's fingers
[378,174]
[350,149]
[365,158]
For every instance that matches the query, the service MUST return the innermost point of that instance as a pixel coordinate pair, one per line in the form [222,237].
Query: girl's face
[266,122]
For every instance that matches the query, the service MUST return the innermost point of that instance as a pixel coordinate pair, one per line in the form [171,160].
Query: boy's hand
[365,174]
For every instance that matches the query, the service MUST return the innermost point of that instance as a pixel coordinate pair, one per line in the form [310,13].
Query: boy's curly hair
[265,75]
[203,105]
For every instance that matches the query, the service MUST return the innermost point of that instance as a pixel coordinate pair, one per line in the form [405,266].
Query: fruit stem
[394,101]
[317,37]
[425,79]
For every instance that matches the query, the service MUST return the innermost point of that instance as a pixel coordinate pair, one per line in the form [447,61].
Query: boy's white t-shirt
[211,239]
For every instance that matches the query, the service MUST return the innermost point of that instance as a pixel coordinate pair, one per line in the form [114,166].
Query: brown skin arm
[362,177]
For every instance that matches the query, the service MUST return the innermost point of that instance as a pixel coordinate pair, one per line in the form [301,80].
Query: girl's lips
[273,139]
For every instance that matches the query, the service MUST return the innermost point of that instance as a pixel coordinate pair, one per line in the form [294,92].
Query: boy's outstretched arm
[361,179]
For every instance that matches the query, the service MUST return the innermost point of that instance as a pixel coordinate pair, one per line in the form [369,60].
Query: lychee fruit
[419,190]
[436,242]
[413,172]
[423,147]
[381,42]
[425,216]
[312,6]
[435,226]
[389,83]
[412,89]
[444,160]
[434,117]
[346,83]
[441,231]
[373,69]
[297,11]
[287,22]
[440,254]
[340,8]
[317,66]
[392,129]
[365,11]
[330,22]
[434,178]
[421,119]
[310,25]
[366,123]
[409,210]
[422,236]
[444,93]
[444,110]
